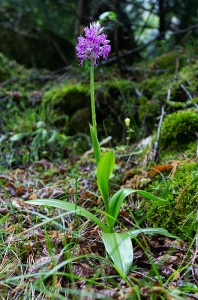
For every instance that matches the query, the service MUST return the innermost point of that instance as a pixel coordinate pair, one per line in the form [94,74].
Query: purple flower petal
[94,46]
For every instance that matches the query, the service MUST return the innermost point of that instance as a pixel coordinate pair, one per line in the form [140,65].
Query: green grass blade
[120,249]
[70,207]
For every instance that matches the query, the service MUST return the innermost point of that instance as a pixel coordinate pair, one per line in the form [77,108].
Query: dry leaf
[160,169]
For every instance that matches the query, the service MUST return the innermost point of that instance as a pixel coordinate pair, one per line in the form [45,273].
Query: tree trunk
[83,15]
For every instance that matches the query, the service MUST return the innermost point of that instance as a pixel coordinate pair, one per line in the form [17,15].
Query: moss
[118,83]
[73,100]
[149,105]
[185,84]
[173,154]
[80,119]
[156,86]
[20,84]
[167,61]
[189,74]
[178,129]
[71,97]
[4,68]
[67,98]
[147,112]
[159,80]
[179,214]
[68,92]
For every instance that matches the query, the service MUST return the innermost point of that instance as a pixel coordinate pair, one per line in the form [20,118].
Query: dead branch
[156,143]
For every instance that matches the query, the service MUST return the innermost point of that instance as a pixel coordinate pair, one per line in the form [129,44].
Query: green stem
[93,109]
[128,136]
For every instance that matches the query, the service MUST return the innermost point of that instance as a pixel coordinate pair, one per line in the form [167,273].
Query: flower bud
[127,122]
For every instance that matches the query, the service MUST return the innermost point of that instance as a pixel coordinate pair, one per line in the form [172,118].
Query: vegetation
[136,189]
[179,129]
[180,189]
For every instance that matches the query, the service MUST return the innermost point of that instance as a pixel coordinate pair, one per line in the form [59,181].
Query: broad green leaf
[118,198]
[104,170]
[120,249]
[115,204]
[95,144]
[70,207]
[162,231]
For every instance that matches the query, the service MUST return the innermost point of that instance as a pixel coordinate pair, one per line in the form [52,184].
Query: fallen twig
[156,143]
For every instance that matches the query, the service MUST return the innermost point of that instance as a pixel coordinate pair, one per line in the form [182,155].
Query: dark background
[42,34]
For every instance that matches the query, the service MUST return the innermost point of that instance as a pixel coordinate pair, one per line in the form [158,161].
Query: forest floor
[48,253]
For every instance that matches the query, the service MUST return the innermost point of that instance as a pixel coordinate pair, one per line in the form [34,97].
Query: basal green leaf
[118,198]
[119,247]
[162,231]
[115,204]
[104,170]
[70,207]
[95,144]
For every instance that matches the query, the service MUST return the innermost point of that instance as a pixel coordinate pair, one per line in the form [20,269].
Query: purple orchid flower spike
[94,46]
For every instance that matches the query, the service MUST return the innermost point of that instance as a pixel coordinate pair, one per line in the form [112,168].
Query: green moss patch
[168,61]
[178,215]
[73,100]
[67,97]
[179,129]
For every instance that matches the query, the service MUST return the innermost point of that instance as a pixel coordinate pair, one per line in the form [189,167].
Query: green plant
[118,245]
[32,137]
[129,130]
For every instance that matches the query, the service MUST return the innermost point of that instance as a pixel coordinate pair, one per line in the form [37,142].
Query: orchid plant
[92,47]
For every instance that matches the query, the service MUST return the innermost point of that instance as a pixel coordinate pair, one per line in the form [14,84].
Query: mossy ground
[180,190]
[35,125]
[28,131]
[63,103]
[179,129]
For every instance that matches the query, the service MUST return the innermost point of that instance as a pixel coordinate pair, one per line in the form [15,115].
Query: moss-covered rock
[179,129]
[168,62]
[178,215]
[154,95]
[67,98]
[80,120]
[171,80]
[111,97]
[147,112]
[19,83]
